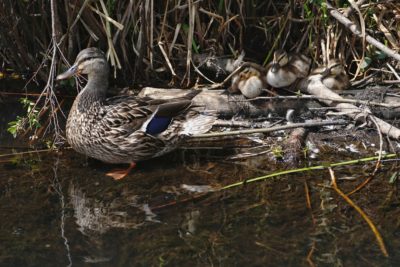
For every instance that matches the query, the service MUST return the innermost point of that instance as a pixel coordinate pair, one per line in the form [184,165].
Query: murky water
[59,209]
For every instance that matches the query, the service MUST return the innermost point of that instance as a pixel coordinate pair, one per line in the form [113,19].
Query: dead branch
[274,129]
[229,105]
[341,100]
[317,88]
[354,29]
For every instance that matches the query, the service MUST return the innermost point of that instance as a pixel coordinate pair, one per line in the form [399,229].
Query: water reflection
[60,210]
[58,189]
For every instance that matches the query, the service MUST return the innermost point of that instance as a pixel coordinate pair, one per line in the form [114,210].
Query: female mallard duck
[125,129]
[286,68]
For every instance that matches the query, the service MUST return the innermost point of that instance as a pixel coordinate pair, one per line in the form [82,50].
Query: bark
[230,105]
[314,86]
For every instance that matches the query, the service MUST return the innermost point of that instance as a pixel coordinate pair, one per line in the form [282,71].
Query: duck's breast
[280,78]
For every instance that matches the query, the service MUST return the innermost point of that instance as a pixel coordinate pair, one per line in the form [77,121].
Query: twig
[393,71]
[342,100]
[51,97]
[47,123]
[272,129]
[362,24]
[378,236]
[350,9]
[161,46]
[33,94]
[192,13]
[107,17]
[201,74]
[378,129]
[247,124]
[391,82]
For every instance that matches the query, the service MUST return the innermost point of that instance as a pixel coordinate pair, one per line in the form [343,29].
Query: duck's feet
[119,174]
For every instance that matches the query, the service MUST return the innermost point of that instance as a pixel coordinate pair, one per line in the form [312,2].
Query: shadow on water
[59,209]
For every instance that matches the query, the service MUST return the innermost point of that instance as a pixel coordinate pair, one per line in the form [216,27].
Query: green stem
[320,167]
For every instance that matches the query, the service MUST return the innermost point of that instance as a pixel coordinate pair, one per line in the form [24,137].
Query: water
[59,209]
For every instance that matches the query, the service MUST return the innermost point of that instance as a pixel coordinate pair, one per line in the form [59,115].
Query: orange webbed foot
[119,174]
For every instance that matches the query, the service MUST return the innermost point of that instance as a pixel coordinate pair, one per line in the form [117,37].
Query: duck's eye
[87,59]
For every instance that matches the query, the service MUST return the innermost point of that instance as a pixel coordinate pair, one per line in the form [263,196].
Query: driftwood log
[313,86]
[230,105]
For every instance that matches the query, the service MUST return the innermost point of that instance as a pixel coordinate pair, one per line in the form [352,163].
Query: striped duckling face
[334,68]
[90,60]
[281,59]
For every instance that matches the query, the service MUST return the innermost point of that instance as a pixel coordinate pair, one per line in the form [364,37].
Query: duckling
[286,68]
[334,76]
[250,82]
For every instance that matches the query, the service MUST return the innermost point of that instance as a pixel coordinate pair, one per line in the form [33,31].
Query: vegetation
[136,33]
[151,42]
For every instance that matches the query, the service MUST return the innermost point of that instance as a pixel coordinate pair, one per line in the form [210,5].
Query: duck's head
[281,58]
[89,61]
[334,68]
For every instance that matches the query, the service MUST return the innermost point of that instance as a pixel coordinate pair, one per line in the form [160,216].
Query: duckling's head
[90,61]
[281,58]
[334,68]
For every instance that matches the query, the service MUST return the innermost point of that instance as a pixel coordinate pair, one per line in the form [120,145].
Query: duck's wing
[302,63]
[130,114]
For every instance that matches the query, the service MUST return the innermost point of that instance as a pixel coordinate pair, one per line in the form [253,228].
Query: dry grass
[132,33]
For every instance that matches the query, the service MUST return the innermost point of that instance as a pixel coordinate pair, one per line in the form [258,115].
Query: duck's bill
[326,72]
[69,73]
[274,67]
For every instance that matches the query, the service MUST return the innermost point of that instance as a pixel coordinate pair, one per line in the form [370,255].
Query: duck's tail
[197,121]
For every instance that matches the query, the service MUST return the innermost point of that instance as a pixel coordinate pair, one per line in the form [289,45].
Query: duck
[126,129]
[250,82]
[286,68]
[333,76]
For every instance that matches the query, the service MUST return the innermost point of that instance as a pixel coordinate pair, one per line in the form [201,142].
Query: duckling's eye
[282,59]
[337,68]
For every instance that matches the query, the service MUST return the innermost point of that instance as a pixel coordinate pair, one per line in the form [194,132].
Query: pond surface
[59,209]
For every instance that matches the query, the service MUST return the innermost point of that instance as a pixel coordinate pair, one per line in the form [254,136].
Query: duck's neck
[94,91]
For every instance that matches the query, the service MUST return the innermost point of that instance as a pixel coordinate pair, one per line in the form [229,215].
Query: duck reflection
[94,215]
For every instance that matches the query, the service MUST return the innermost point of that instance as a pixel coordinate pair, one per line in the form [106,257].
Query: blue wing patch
[158,125]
